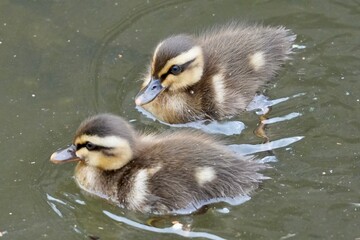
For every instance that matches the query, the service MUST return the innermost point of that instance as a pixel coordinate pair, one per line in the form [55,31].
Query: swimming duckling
[213,75]
[161,174]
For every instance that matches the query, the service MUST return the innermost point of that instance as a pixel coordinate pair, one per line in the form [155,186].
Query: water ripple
[137,13]
[246,149]
[177,228]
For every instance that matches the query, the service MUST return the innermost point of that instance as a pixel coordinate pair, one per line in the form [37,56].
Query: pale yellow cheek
[193,75]
[170,81]
[185,79]
[98,159]
[95,159]
[82,153]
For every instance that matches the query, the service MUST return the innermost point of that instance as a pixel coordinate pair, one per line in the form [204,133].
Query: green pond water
[61,61]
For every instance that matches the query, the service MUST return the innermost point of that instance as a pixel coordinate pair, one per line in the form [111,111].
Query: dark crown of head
[106,125]
[172,47]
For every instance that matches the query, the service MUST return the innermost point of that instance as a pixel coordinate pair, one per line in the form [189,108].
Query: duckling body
[163,173]
[214,75]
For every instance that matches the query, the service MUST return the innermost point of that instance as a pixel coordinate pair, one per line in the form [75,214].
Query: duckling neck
[205,90]
[96,181]
[176,107]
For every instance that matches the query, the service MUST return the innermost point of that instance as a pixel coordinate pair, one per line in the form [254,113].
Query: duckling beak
[149,93]
[65,155]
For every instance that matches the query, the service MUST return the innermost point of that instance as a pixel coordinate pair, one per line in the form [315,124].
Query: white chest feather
[219,88]
[139,190]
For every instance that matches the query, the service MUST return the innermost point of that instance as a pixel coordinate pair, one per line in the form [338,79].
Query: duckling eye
[175,70]
[90,146]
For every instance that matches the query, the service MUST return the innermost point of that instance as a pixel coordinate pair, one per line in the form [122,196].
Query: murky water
[64,60]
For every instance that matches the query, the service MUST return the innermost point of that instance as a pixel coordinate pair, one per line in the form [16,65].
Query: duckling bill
[163,173]
[213,75]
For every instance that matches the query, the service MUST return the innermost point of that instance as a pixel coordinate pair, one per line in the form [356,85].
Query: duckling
[213,75]
[156,173]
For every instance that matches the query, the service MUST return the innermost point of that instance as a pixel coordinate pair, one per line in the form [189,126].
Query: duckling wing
[186,173]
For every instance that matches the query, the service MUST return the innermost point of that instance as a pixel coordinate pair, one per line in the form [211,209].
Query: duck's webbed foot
[260,131]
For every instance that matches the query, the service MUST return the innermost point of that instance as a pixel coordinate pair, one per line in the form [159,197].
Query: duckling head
[177,63]
[104,141]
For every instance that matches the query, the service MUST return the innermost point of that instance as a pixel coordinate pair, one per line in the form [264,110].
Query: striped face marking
[181,59]
[193,67]
[177,64]
[107,142]
[191,64]
[107,153]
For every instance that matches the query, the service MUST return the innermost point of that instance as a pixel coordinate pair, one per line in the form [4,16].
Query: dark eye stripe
[183,67]
[93,148]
